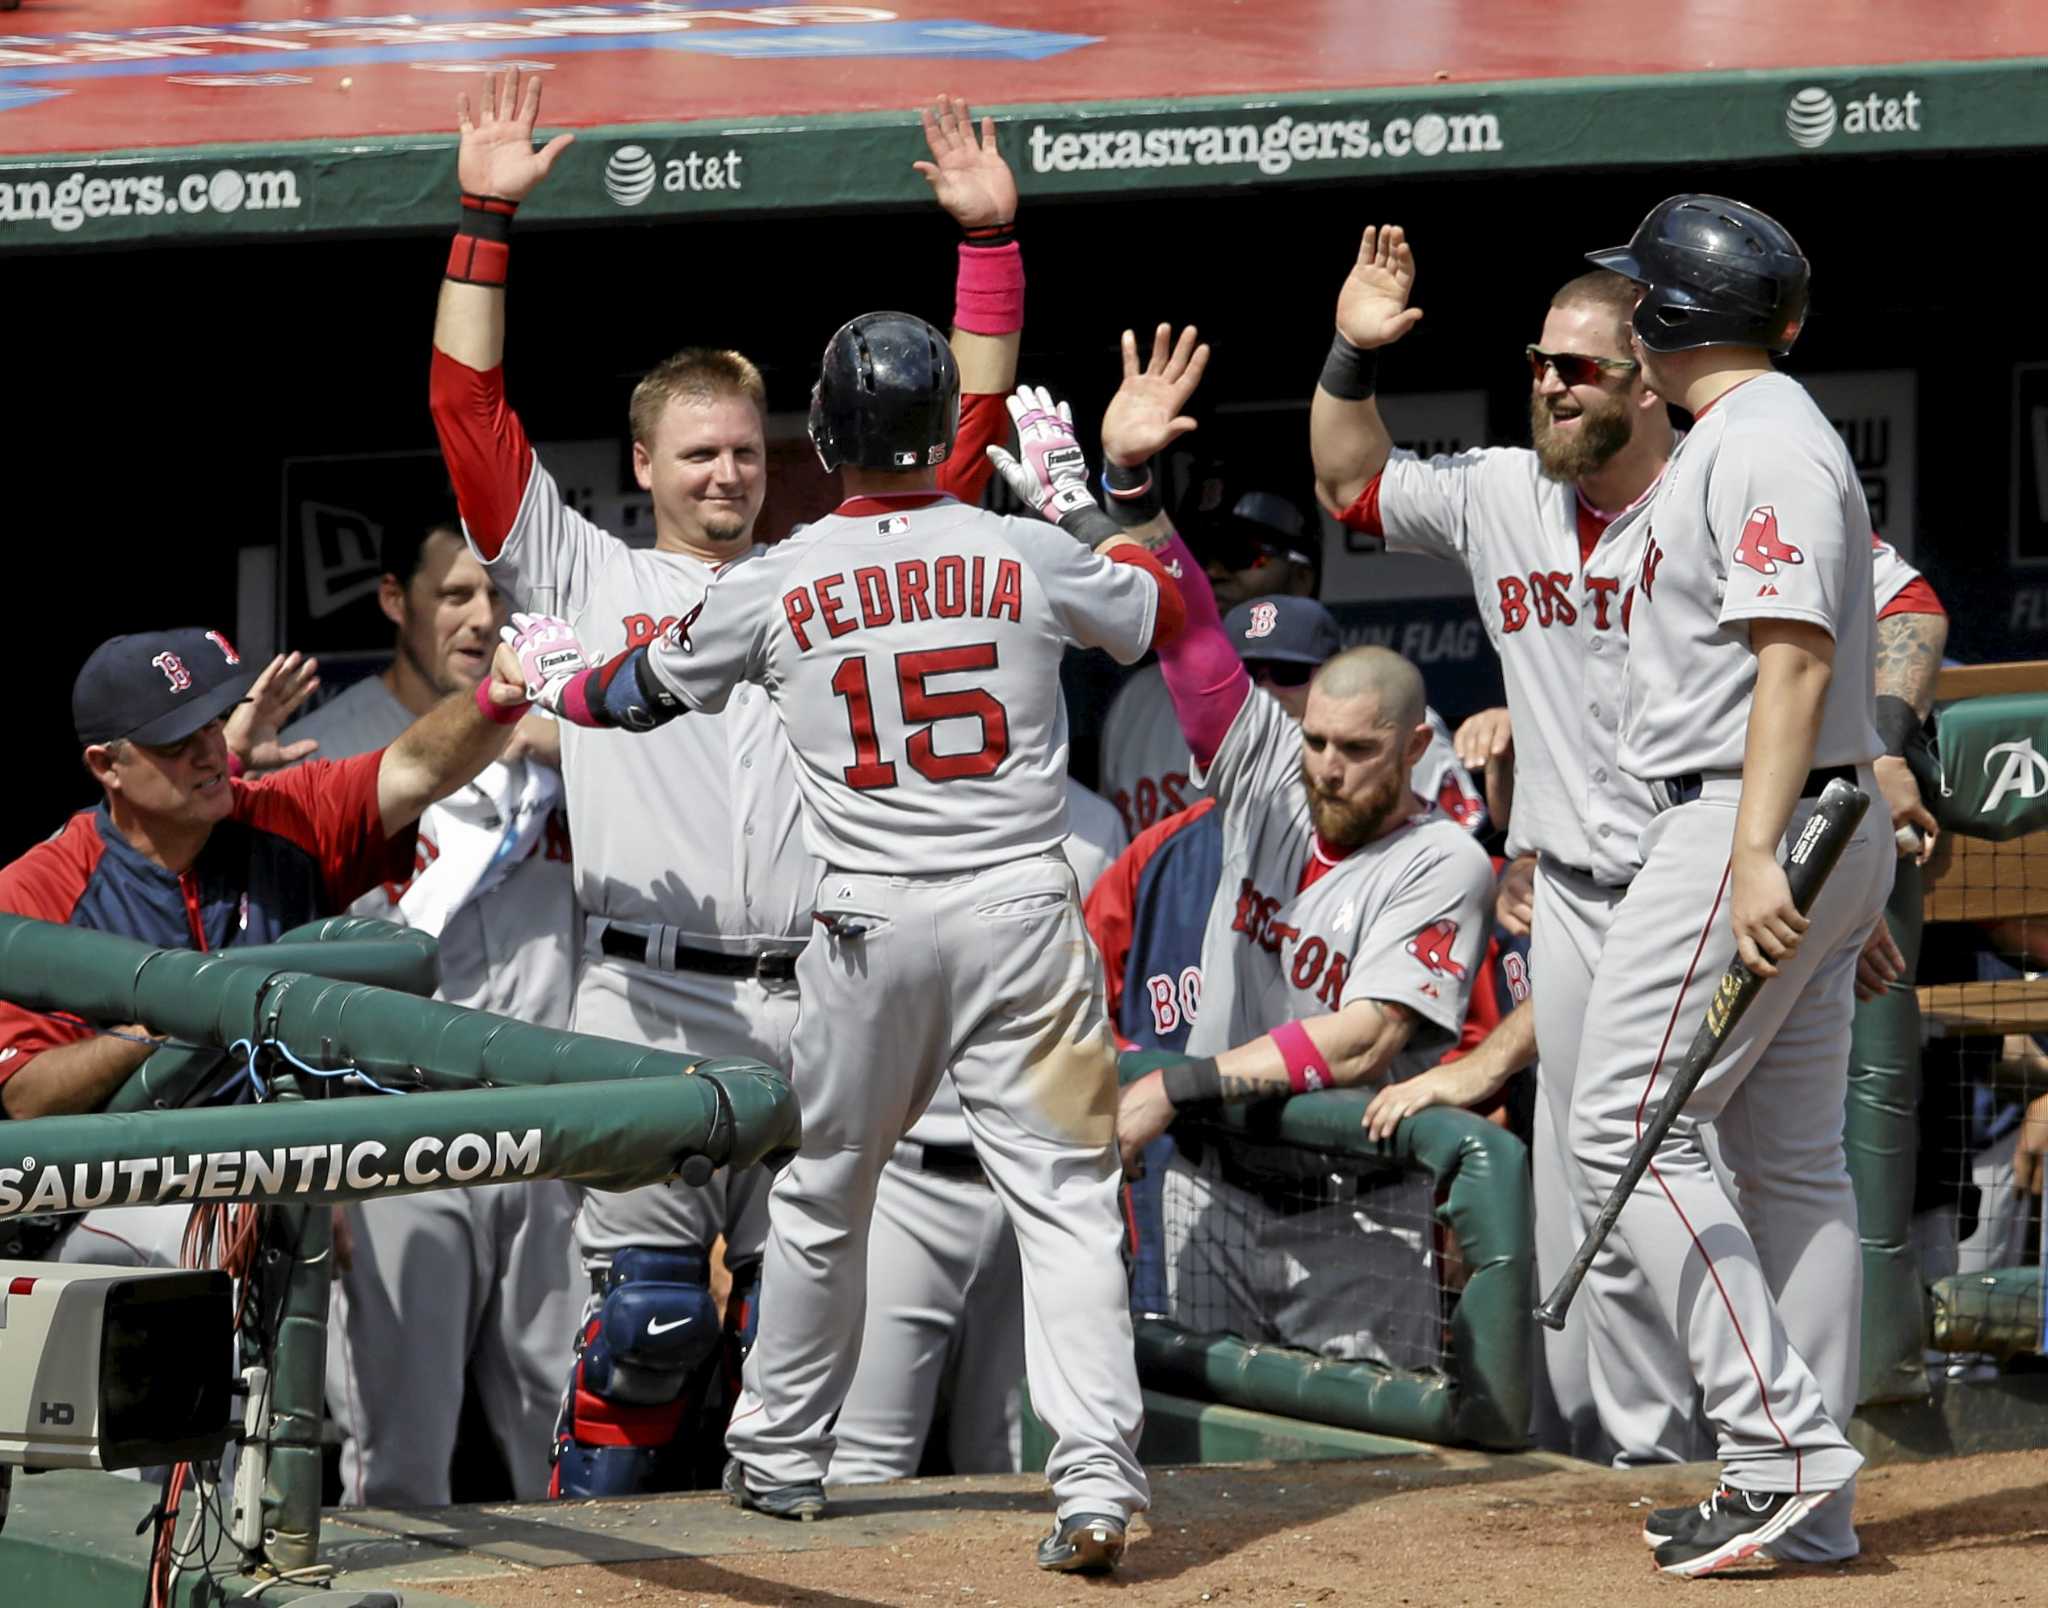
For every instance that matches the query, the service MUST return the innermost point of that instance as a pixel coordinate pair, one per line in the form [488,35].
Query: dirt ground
[1455,1529]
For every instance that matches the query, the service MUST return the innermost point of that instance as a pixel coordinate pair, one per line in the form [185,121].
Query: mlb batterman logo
[1265,617]
[629,176]
[1760,547]
[1432,946]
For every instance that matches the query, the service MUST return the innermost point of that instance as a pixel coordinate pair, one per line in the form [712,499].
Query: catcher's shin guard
[651,1344]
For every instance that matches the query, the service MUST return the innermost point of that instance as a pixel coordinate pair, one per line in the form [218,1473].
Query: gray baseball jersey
[1401,919]
[900,648]
[1759,515]
[480,1279]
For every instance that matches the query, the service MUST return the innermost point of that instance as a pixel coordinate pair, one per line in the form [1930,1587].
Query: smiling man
[182,855]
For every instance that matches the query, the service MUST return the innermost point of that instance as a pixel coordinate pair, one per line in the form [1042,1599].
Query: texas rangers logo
[1760,547]
[1432,946]
[174,671]
[1265,617]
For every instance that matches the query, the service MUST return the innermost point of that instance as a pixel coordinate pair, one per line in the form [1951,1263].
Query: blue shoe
[801,1502]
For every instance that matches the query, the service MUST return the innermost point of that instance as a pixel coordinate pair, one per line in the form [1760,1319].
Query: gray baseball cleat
[1083,1543]
[802,1502]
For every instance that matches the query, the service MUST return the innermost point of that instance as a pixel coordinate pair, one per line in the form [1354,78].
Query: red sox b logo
[174,671]
[1760,547]
[1265,616]
[1432,946]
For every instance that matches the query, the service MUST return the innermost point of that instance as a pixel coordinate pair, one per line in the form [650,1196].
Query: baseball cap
[1253,525]
[1292,630]
[157,687]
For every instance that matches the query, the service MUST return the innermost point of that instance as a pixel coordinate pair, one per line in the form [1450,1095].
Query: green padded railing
[1482,1396]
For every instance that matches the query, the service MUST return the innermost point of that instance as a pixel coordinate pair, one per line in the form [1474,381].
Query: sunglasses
[1575,369]
[1280,672]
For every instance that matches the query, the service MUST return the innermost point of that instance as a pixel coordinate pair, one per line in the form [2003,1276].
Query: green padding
[1482,1176]
[1881,1135]
[220,998]
[1992,780]
[1998,1312]
[605,1136]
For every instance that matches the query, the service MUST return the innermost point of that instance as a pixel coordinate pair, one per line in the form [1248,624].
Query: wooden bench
[1972,880]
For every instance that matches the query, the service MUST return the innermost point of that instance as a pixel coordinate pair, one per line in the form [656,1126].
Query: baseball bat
[1812,857]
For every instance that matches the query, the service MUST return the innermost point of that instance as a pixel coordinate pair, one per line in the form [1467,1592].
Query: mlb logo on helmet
[1265,616]
[1759,545]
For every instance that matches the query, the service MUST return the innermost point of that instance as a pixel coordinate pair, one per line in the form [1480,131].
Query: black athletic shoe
[803,1502]
[1083,1543]
[1667,1524]
[1732,1525]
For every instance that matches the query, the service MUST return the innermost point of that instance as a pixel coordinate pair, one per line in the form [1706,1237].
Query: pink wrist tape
[1306,1068]
[988,298]
[498,714]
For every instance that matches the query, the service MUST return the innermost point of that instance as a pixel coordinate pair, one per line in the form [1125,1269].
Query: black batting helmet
[1714,273]
[888,395]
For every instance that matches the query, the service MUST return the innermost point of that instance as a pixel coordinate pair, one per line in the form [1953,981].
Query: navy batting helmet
[1714,273]
[888,395]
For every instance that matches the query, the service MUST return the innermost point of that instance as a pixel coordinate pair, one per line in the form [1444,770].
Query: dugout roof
[135,121]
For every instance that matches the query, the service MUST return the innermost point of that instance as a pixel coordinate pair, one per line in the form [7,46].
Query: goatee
[1344,823]
[1602,431]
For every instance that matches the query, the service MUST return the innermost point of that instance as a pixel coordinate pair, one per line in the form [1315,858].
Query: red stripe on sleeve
[484,446]
[1915,597]
[329,809]
[984,423]
[1172,613]
[46,883]
[1364,513]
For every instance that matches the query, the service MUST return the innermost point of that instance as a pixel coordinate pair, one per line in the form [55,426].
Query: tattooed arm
[1908,661]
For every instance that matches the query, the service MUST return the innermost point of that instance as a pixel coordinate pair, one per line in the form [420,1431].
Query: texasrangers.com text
[359,1168]
[1273,148]
[67,204]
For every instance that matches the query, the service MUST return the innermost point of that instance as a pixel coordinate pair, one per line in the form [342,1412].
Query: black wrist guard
[1896,723]
[1350,373]
[1090,526]
[1132,495]
[991,234]
[1191,1084]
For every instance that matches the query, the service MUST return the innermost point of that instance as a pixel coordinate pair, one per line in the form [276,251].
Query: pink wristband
[1306,1068]
[988,298]
[235,766]
[498,714]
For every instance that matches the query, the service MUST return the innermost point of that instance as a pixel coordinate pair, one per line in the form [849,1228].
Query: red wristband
[481,253]
[988,298]
[1306,1068]
[499,714]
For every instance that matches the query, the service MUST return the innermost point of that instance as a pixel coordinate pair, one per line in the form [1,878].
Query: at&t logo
[1812,116]
[630,175]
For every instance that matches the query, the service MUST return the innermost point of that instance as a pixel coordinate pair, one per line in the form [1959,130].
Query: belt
[1684,789]
[623,942]
[957,1162]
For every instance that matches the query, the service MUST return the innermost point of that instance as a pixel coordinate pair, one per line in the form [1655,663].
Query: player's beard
[1602,431]
[1345,823]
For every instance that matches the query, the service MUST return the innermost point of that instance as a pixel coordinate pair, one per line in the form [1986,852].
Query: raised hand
[252,725]
[1145,416]
[1372,308]
[968,176]
[497,157]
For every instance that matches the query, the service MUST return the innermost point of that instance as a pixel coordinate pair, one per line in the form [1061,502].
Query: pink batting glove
[548,655]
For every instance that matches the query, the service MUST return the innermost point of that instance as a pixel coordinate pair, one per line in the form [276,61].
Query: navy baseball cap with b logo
[1287,630]
[157,687]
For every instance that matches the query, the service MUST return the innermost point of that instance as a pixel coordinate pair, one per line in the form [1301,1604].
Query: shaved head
[1385,675]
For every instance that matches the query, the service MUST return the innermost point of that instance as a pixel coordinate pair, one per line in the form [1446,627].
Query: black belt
[957,1162]
[1684,789]
[770,967]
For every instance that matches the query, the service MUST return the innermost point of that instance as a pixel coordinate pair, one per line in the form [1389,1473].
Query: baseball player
[1749,687]
[945,1291]
[1551,568]
[910,647]
[694,916]
[1338,950]
[438,1281]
